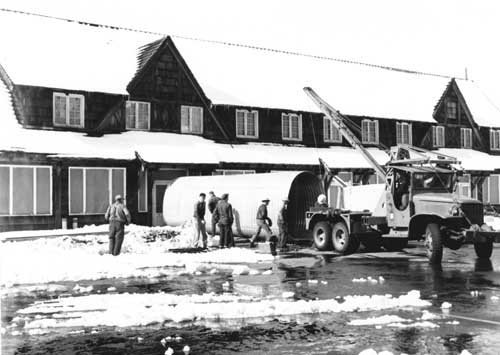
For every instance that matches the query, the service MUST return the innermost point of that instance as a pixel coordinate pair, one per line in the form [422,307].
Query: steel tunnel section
[245,194]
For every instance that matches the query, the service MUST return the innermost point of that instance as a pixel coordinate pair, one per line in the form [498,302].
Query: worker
[212,203]
[263,222]
[118,216]
[402,191]
[199,222]
[224,217]
[283,225]
[321,202]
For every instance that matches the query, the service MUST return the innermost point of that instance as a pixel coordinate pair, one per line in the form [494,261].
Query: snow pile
[385,319]
[70,263]
[369,279]
[127,310]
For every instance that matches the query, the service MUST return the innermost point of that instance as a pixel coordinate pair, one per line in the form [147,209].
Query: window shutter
[130,115]
[75,110]
[250,124]
[240,122]
[337,137]
[375,132]
[256,123]
[143,113]
[434,136]
[441,136]
[59,109]
[285,125]
[364,131]
[410,136]
[299,123]
[185,119]
[327,132]
[294,125]
[398,133]
[492,139]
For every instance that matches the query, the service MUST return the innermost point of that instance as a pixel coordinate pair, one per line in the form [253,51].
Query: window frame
[494,133]
[137,115]
[84,186]
[245,123]
[370,122]
[435,136]
[190,109]
[289,116]
[224,171]
[67,98]
[463,139]
[399,126]
[327,122]
[11,190]
[448,110]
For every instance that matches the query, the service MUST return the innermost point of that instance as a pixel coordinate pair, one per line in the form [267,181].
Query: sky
[442,37]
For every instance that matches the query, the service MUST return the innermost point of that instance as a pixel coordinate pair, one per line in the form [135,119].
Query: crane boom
[339,122]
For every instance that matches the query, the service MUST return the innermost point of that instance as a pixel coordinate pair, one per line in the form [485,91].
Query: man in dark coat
[212,203]
[283,225]
[118,216]
[263,222]
[224,216]
[199,221]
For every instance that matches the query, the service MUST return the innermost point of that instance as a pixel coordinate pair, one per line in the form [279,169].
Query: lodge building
[113,112]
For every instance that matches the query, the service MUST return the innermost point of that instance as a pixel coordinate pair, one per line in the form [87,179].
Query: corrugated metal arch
[245,195]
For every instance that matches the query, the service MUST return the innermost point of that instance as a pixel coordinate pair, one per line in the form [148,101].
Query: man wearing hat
[223,214]
[117,215]
[263,222]
[283,225]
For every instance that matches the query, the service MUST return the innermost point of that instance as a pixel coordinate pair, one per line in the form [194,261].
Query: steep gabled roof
[484,111]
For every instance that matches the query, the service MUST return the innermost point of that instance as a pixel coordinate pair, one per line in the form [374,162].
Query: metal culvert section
[245,195]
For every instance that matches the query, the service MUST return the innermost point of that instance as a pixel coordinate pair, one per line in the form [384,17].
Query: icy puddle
[126,310]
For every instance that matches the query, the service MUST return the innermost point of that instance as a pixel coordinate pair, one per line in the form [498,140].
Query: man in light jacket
[199,222]
[118,216]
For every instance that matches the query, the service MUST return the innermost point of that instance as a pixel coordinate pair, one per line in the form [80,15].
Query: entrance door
[159,188]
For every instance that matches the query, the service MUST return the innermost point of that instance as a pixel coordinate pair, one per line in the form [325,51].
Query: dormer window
[466,138]
[331,133]
[403,133]
[437,136]
[247,124]
[137,115]
[68,110]
[291,126]
[369,132]
[191,119]
[451,110]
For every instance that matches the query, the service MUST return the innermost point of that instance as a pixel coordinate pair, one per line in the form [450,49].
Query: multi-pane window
[451,110]
[91,190]
[137,115]
[68,110]
[464,186]
[369,132]
[494,139]
[466,138]
[247,124]
[330,131]
[291,126]
[438,136]
[403,133]
[142,193]
[25,190]
[232,172]
[491,189]
[191,119]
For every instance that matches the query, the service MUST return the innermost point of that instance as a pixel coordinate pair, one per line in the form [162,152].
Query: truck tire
[321,236]
[483,250]
[343,242]
[395,244]
[434,243]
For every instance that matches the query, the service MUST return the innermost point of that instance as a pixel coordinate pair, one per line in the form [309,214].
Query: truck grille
[474,212]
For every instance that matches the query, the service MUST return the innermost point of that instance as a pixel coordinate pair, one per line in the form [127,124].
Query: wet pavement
[472,287]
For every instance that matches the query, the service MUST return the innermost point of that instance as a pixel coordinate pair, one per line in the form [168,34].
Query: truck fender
[323,217]
[418,223]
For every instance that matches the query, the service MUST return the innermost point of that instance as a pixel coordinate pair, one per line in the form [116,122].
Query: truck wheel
[434,243]
[483,250]
[343,242]
[321,236]
[394,244]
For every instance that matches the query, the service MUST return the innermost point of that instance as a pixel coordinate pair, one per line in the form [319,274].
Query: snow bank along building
[88,112]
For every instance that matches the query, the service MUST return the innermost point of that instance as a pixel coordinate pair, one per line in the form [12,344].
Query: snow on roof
[473,160]
[81,57]
[7,115]
[483,110]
